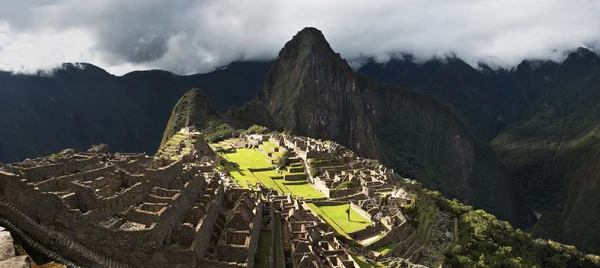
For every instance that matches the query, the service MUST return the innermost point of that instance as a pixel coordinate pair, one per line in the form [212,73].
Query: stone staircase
[175,146]
[60,239]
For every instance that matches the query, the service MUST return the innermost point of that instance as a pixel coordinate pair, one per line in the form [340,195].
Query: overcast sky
[185,36]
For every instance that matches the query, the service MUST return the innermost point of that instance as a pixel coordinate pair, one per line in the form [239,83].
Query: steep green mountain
[81,104]
[312,91]
[554,151]
[195,109]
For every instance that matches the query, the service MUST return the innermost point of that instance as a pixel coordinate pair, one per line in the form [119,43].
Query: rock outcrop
[312,91]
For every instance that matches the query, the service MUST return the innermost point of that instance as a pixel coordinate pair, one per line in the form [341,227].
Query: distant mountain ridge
[81,104]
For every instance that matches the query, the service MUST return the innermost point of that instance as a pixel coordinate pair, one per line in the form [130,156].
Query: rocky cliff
[312,91]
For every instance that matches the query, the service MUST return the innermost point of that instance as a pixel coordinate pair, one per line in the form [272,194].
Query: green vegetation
[303,190]
[56,156]
[338,219]
[215,131]
[242,161]
[247,158]
[256,129]
[386,248]
[264,249]
[253,116]
[362,263]
[485,241]
[282,161]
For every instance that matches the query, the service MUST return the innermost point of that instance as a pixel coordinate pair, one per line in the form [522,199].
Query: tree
[283,160]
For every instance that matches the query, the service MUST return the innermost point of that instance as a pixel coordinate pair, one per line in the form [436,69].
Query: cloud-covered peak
[185,36]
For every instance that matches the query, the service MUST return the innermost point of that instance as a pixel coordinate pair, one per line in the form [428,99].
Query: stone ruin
[96,209]
[120,210]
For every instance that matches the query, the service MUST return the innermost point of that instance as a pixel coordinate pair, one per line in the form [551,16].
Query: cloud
[189,36]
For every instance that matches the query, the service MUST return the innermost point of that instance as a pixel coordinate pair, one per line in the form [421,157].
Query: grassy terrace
[338,219]
[247,159]
[386,248]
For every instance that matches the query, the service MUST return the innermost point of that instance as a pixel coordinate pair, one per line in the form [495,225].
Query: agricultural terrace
[250,166]
[335,215]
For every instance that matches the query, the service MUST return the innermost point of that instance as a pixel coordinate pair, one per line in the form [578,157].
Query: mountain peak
[312,91]
[308,41]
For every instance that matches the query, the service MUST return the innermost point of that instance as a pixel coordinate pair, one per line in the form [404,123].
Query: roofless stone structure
[96,209]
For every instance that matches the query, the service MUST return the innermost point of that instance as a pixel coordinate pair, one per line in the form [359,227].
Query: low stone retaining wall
[295,177]
[259,169]
[396,235]
[329,203]
[295,169]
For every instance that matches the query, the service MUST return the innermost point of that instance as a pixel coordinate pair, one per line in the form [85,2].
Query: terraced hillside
[251,166]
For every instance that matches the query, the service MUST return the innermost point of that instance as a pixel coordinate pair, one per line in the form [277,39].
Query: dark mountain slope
[486,100]
[554,152]
[312,91]
[82,104]
[452,82]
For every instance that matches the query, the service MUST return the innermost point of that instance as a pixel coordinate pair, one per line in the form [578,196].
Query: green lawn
[267,181]
[338,219]
[248,158]
[386,248]
[304,190]
[264,246]
[242,176]
[251,158]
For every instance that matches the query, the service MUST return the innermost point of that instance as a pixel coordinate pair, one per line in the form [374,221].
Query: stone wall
[295,177]
[255,233]
[162,176]
[329,203]
[48,237]
[361,211]
[235,253]
[218,264]
[396,235]
[47,171]
[205,227]
[64,182]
